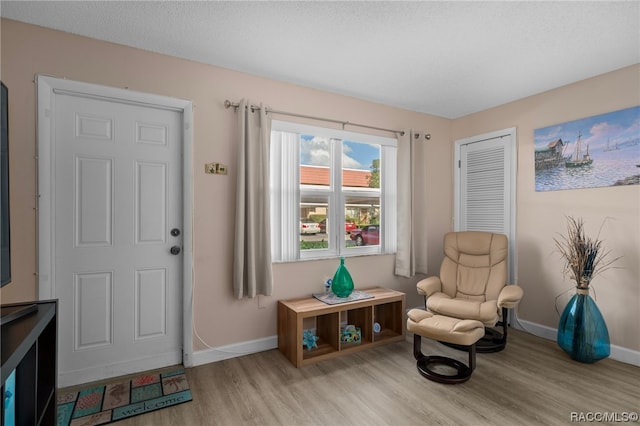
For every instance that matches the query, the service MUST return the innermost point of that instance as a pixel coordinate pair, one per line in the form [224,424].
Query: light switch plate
[215,169]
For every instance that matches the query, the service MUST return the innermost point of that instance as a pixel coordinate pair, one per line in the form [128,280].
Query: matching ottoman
[464,333]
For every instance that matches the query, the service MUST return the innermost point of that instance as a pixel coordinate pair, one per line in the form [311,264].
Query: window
[333,193]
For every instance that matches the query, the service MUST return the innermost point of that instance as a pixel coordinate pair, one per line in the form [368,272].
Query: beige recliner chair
[473,285]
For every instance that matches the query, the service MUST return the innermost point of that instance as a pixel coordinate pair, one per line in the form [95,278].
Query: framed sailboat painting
[598,151]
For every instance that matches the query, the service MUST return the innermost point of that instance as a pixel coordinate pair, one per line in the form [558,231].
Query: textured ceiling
[447,58]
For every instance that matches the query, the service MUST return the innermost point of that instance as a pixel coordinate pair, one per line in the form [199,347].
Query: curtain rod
[228,104]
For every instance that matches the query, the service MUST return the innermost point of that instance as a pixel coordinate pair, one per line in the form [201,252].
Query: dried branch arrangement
[584,257]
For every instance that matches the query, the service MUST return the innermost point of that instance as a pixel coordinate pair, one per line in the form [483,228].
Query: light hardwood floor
[531,382]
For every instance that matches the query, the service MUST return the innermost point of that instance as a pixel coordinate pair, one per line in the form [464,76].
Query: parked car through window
[308,226]
[348,226]
[367,235]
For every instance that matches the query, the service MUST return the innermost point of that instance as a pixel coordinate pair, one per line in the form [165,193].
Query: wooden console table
[296,315]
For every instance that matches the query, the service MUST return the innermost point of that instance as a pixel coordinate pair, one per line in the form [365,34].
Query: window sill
[332,257]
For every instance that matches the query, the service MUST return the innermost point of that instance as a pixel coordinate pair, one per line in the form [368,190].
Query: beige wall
[541,215]
[219,318]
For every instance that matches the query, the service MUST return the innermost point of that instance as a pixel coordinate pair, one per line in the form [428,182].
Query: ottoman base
[465,334]
[426,364]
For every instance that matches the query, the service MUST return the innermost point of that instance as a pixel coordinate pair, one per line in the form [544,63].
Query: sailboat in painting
[578,159]
[610,148]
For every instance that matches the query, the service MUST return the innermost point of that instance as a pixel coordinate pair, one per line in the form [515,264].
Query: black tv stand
[10,313]
[29,347]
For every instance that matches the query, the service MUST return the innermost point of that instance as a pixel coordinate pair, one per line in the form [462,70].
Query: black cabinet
[29,360]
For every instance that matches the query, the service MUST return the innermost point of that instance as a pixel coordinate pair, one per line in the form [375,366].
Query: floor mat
[103,404]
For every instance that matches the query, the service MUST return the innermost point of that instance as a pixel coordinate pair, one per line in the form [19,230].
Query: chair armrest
[416,315]
[429,285]
[510,296]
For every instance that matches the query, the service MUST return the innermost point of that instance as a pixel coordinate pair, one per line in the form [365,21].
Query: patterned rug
[104,404]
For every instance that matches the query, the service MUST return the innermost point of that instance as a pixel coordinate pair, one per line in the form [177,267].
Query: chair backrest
[474,265]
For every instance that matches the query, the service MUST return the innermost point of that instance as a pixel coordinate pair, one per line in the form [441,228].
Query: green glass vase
[342,283]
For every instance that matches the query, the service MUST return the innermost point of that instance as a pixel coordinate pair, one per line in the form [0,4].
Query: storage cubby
[361,318]
[29,345]
[326,330]
[390,319]
[296,315]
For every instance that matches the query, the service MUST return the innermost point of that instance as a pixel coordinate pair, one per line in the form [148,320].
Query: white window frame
[286,193]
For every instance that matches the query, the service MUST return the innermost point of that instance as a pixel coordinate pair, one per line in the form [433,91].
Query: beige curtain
[411,254]
[252,253]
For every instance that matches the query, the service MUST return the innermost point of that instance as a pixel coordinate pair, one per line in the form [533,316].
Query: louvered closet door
[485,186]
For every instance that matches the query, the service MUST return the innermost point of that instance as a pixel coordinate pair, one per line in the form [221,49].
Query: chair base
[426,363]
[425,368]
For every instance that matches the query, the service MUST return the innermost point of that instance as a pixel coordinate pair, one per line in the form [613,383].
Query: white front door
[117,235]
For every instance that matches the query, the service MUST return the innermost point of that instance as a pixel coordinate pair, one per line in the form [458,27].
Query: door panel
[151,297]
[93,302]
[151,202]
[93,209]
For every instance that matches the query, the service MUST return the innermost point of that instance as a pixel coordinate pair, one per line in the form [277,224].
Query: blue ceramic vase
[582,332]
[342,283]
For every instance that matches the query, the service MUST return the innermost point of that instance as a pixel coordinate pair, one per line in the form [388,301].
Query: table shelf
[296,315]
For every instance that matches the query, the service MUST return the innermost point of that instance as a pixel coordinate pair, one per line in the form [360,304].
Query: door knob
[175,250]
[175,232]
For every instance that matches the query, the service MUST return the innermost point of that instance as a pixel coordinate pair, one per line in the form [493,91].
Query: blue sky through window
[314,151]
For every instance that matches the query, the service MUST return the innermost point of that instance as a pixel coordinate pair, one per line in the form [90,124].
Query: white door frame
[47,86]
[513,155]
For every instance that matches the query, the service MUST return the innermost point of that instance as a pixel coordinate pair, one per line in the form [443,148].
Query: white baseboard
[536,329]
[618,353]
[220,353]
[234,350]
